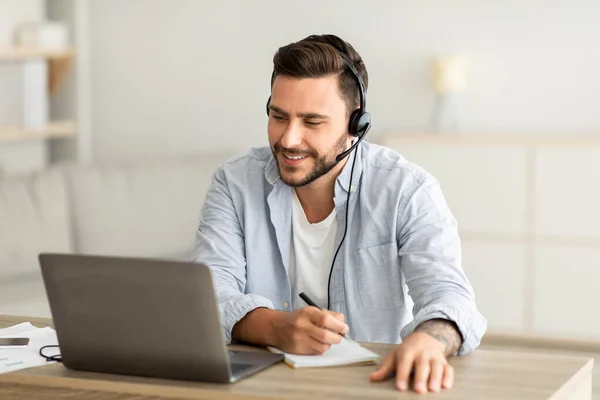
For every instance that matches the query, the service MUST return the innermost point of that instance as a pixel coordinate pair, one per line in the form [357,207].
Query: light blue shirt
[399,265]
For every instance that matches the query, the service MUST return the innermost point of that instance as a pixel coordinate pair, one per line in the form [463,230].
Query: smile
[294,157]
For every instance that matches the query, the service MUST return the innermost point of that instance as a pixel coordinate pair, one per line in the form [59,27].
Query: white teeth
[294,157]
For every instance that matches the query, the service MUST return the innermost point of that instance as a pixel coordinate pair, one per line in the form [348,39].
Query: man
[355,226]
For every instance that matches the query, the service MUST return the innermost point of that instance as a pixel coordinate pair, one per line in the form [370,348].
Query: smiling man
[363,232]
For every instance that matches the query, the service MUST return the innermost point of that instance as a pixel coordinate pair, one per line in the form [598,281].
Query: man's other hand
[425,356]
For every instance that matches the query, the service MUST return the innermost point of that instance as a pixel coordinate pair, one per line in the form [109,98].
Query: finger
[422,372]
[404,366]
[436,375]
[324,335]
[317,347]
[448,379]
[336,325]
[337,315]
[386,368]
[326,320]
[312,323]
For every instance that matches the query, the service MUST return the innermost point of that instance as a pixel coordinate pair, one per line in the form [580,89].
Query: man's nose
[292,137]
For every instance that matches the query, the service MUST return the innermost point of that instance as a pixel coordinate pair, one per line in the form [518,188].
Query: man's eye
[313,123]
[277,117]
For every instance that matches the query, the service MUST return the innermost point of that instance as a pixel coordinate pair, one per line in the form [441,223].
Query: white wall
[189,75]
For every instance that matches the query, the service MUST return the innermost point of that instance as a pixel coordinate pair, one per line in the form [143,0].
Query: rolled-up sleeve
[220,246]
[430,250]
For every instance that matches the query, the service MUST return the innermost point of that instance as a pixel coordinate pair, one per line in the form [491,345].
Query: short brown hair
[319,55]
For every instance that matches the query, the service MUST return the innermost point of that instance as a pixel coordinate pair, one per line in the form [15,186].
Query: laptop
[142,317]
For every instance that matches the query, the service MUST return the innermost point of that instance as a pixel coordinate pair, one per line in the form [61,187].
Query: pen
[308,301]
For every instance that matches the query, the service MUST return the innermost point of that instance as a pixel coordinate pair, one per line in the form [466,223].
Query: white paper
[344,353]
[27,357]
[16,329]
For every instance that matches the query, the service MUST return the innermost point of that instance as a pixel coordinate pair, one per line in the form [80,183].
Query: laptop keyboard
[239,368]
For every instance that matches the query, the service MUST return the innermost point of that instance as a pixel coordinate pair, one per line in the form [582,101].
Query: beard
[322,164]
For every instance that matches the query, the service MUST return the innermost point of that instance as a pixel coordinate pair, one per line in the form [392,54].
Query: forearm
[445,331]
[256,327]
[431,260]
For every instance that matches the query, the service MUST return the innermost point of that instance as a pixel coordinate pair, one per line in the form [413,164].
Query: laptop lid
[136,316]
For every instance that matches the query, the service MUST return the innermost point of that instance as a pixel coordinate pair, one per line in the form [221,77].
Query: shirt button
[286,304]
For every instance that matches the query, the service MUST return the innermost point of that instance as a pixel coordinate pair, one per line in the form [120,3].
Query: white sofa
[145,208]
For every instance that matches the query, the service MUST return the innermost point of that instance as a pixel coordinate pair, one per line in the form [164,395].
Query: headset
[358,126]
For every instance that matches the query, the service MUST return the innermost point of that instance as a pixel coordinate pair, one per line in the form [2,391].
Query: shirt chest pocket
[379,277]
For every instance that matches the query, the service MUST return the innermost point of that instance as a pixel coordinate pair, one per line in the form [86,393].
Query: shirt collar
[344,177]
[271,170]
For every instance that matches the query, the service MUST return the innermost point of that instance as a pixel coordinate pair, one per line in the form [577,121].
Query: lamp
[448,75]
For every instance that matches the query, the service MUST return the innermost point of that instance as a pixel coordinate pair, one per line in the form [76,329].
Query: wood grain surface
[484,374]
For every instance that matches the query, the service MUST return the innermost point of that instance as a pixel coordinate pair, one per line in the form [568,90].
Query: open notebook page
[344,353]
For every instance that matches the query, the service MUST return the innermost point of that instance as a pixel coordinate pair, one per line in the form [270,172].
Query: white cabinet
[567,192]
[464,170]
[528,211]
[497,272]
[567,290]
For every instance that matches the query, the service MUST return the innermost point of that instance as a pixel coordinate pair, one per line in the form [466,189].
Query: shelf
[54,130]
[28,53]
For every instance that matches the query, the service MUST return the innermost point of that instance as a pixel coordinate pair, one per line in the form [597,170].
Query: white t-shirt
[311,255]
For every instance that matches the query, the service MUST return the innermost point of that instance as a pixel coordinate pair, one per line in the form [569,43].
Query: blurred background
[113,115]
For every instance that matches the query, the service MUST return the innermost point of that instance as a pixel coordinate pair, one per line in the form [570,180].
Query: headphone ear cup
[268,103]
[364,123]
[353,122]
[359,122]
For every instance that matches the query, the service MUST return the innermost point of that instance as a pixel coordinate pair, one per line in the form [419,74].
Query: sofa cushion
[25,295]
[147,208]
[34,218]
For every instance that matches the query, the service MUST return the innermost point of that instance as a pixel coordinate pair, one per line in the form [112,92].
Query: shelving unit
[13,54]
[43,71]
[54,130]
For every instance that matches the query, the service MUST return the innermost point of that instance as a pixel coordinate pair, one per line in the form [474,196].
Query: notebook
[345,353]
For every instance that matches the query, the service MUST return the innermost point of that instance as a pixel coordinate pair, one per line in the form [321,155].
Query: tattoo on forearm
[445,331]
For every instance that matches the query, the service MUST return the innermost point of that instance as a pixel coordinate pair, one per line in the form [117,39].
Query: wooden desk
[480,375]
